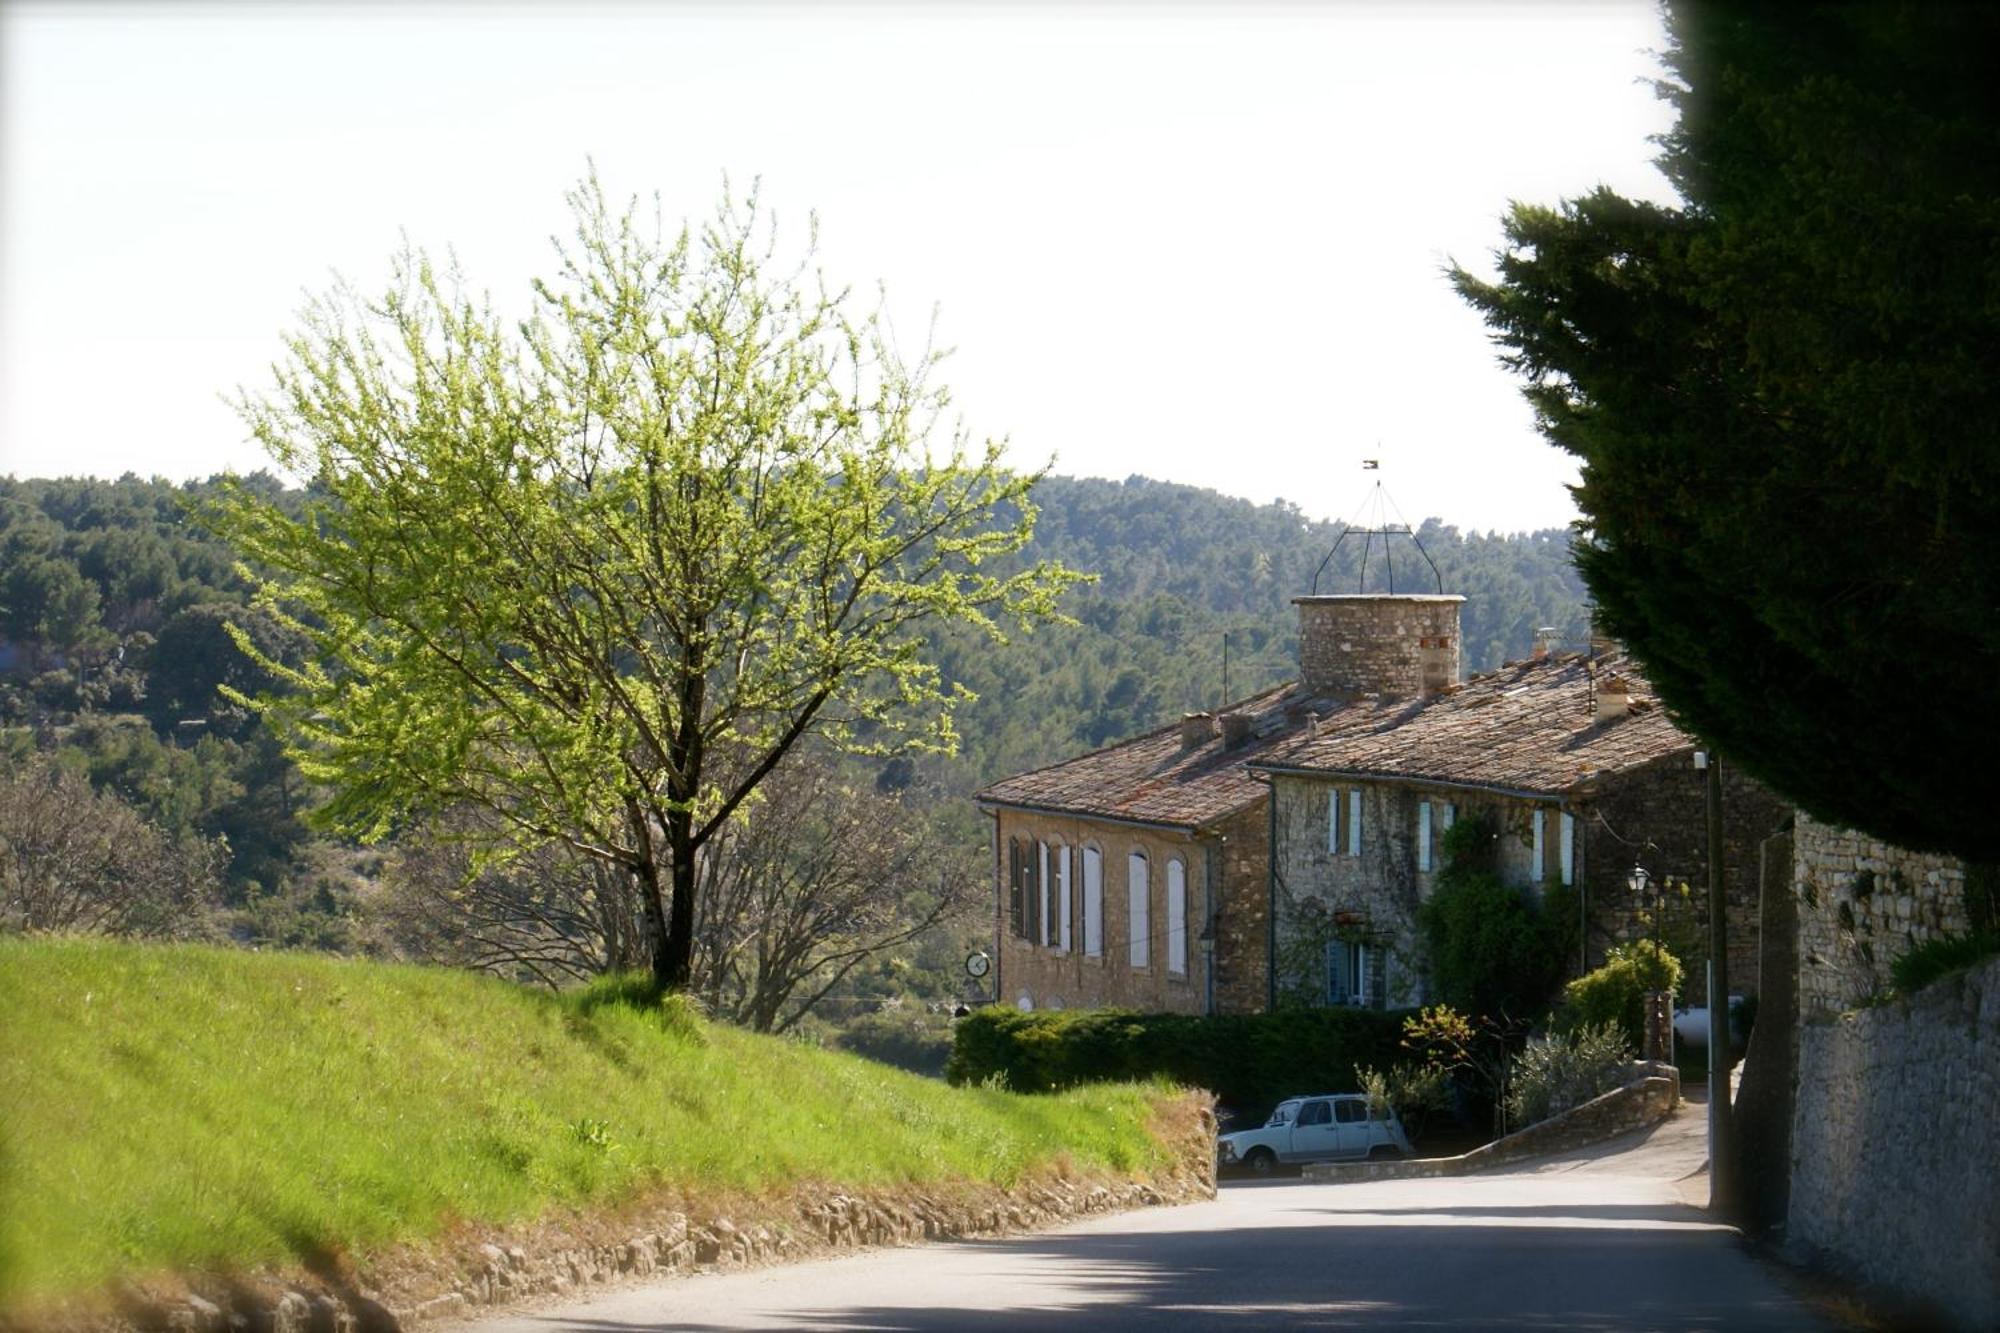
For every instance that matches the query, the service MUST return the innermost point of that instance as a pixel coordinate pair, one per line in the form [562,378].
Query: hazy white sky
[1201,242]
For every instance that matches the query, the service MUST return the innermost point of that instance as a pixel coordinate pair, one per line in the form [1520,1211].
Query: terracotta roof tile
[1155,780]
[1530,726]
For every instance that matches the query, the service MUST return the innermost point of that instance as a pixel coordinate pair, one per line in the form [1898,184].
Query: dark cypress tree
[1784,396]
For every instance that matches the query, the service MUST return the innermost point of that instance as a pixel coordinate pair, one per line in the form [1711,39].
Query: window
[1566,848]
[1354,822]
[1356,973]
[1424,836]
[1177,917]
[1535,854]
[1042,888]
[1450,815]
[1062,898]
[1350,1112]
[1333,822]
[1138,893]
[1093,902]
[1314,1113]
[1031,893]
[1017,922]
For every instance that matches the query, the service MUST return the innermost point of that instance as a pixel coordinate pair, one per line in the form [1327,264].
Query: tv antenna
[1372,520]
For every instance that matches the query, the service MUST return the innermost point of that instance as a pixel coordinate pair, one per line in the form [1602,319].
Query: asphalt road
[1604,1239]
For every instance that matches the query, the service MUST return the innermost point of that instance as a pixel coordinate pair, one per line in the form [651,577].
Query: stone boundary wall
[1862,903]
[477,1277]
[1646,1100]
[1893,1146]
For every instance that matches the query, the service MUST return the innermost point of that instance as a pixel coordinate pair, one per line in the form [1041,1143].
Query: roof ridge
[1160,730]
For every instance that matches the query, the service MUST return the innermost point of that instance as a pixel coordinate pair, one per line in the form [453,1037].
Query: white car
[1322,1128]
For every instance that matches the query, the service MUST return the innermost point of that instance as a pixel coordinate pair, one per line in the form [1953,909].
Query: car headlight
[1225,1150]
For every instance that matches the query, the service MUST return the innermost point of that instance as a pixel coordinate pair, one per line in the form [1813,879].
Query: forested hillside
[1178,569]
[114,601]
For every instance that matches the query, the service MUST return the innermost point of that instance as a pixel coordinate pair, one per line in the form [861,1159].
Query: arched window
[1177,917]
[1093,902]
[1139,894]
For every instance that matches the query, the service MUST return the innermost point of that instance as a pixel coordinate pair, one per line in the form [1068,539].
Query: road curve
[1602,1239]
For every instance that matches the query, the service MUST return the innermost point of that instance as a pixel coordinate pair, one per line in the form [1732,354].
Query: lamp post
[1657,1023]
[1721,1146]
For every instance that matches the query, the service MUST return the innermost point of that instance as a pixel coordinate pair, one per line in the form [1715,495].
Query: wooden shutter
[1016,921]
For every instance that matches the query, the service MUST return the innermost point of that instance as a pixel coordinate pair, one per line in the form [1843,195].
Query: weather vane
[1377,508]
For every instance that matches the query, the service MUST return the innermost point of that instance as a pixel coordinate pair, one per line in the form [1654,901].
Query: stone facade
[1862,903]
[1652,813]
[1037,975]
[1655,815]
[1243,912]
[1378,643]
[1892,1143]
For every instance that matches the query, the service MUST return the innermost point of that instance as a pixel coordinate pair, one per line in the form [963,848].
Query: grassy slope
[166,1107]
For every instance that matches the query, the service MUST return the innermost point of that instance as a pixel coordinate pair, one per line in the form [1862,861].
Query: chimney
[1601,642]
[1546,638]
[1614,698]
[1196,729]
[1397,645]
[1235,729]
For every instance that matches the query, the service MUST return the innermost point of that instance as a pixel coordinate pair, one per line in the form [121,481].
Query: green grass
[1941,956]
[181,1107]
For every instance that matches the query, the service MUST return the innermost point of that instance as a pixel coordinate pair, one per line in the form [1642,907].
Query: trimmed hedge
[1250,1061]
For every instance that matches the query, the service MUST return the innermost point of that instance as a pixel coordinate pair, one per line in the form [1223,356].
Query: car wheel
[1261,1162]
[1384,1151]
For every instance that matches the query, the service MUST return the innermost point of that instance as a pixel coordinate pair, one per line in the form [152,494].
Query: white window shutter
[1566,848]
[1333,821]
[1354,822]
[1424,836]
[1535,871]
[1062,897]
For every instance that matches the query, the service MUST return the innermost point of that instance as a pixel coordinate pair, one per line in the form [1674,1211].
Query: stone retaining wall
[507,1268]
[1646,1100]
[1892,1146]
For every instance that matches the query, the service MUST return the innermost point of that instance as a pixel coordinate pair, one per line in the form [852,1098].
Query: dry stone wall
[1862,903]
[1892,1144]
[555,1260]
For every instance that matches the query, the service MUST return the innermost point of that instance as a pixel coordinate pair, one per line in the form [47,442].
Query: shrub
[1559,1071]
[1413,1089]
[908,1039]
[1492,950]
[1928,961]
[1615,993]
[1250,1061]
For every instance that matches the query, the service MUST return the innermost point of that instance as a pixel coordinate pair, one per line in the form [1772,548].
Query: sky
[1200,242]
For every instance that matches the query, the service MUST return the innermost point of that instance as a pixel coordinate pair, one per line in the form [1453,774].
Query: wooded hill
[113,601]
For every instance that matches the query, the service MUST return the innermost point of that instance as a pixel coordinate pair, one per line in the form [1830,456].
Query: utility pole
[1721,1134]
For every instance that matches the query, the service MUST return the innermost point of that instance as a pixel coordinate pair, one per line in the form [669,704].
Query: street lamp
[1657,1024]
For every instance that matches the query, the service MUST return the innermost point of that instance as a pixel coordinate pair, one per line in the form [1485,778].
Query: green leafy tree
[1782,395]
[598,578]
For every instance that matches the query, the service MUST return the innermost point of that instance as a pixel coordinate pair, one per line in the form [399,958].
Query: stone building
[1279,852]
[1136,875]
[1565,758]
